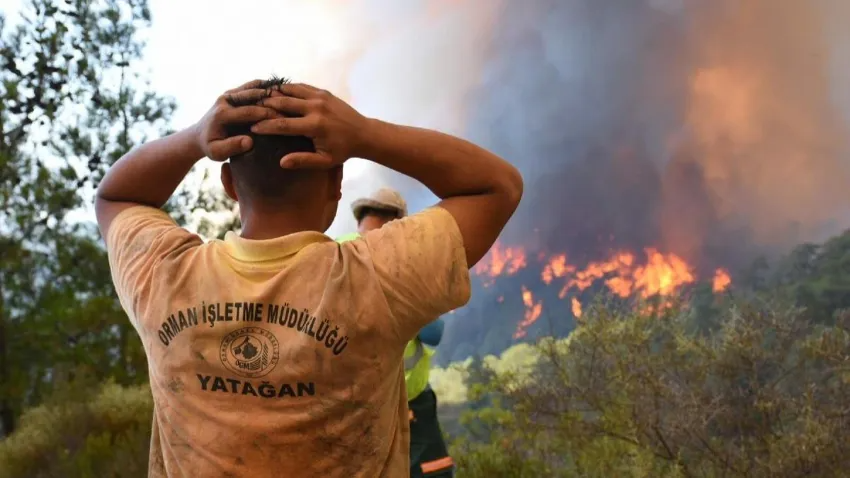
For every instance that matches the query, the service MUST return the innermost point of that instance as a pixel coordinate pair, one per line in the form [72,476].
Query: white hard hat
[385,199]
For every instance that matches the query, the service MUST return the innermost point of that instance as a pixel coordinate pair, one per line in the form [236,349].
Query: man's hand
[149,174]
[211,130]
[336,128]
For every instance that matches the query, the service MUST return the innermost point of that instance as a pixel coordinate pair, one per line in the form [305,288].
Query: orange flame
[721,281]
[597,270]
[532,312]
[556,267]
[658,275]
[662,275]
[576,307]
[500,260]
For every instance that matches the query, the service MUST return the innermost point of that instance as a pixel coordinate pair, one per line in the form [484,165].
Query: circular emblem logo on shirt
[250,351]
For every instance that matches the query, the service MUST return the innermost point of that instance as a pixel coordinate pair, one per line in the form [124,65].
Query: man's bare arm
[146,176]
[478,188]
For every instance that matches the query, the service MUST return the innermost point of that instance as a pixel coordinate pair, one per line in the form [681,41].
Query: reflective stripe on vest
[436,465]
[411,361]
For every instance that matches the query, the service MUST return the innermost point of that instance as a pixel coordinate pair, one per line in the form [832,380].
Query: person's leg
[417,444]
[429,456]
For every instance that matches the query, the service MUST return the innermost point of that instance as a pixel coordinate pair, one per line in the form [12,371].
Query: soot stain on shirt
[261,444]
[350,448]
[176,385]
[157,463]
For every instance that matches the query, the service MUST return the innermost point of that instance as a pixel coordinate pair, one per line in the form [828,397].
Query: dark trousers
[429,456]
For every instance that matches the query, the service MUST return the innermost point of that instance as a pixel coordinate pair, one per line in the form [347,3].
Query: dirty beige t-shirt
[282,357]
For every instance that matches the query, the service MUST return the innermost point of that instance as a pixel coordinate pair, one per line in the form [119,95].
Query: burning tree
[549,286]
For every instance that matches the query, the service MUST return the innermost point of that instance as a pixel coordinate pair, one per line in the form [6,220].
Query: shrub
[640,394]
[82,434]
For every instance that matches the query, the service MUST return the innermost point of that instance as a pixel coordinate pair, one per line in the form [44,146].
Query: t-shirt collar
[252,250]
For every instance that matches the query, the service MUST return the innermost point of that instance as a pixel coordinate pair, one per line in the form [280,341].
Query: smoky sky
[713,129]
[572,95]
[706,128]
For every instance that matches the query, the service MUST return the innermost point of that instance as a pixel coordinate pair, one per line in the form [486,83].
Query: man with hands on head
[277,351]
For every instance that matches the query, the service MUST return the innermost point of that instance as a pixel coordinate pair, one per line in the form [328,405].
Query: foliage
[87,431]
[459,382]
[817,275]
[631,394]
[71,103]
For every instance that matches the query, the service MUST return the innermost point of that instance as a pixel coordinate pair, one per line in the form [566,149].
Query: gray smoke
[709,128]
[418,63]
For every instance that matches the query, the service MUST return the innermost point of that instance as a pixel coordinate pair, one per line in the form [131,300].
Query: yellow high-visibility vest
[348,237]
[417,356]
[417,367]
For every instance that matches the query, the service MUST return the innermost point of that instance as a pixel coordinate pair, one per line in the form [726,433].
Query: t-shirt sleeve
[421,265]
[138,239]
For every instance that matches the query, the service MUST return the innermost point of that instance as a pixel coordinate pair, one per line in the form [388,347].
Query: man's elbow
[108,194]
[103,213]
[517,184]
[511,187]
[113,187]
[102,193]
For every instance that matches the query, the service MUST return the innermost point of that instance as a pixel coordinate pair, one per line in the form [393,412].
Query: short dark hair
[386,214]
[257,172]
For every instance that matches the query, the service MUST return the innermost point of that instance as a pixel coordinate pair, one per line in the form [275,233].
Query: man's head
[381,207]
[256,180]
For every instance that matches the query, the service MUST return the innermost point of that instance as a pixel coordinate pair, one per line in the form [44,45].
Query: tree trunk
[7,414]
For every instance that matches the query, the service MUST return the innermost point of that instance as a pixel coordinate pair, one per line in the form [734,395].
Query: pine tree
[71,103]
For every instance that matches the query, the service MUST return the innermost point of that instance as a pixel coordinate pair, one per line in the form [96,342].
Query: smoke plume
[708,128]
[420,61]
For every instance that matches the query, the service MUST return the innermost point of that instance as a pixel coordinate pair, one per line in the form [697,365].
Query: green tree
[71,103]
[630,394]
[815,276]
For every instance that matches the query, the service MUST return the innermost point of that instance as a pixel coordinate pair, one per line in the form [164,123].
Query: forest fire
[624,274]
[721,281]
[506,260]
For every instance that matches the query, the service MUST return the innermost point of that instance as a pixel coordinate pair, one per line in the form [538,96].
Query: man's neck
[259,226]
